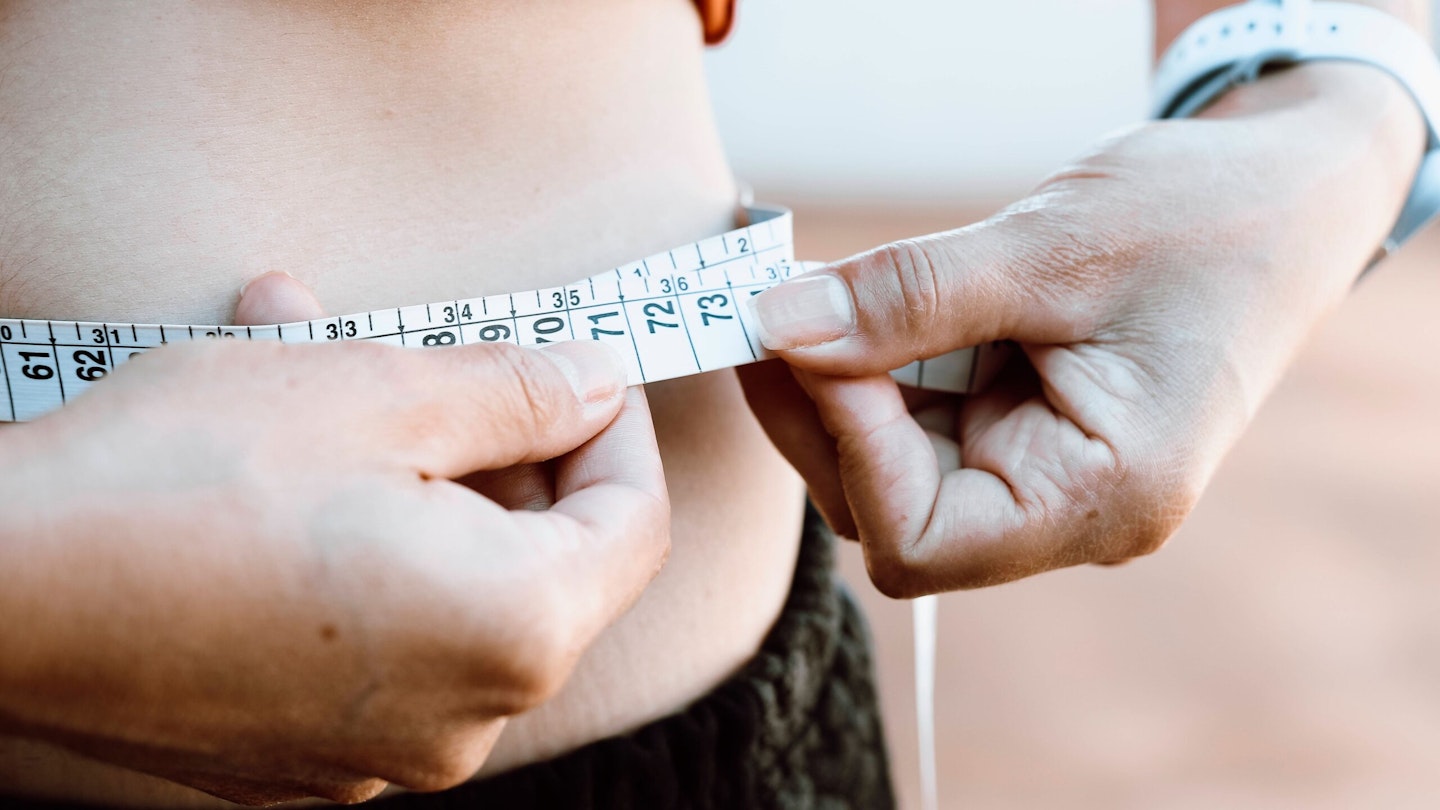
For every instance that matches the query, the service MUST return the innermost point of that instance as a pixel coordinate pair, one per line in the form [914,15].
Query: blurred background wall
[1283,651]
[924,99]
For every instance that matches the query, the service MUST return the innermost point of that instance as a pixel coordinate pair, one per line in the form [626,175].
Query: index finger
[608,533]
[1020,498]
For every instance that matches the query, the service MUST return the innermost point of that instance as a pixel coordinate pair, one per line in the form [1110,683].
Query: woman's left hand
[1157,290]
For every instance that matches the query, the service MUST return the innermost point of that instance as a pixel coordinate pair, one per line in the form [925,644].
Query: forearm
[1346,138]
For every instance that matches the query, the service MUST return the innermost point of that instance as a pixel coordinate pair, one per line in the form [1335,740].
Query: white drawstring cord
[925,627]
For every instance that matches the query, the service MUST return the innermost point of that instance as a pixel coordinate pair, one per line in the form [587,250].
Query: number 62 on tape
[670,315]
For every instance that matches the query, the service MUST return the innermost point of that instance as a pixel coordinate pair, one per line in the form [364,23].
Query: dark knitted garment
[797,728]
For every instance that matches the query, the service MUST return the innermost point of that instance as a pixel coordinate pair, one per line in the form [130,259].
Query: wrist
[1348,136]
[1338,103]
[1356,127]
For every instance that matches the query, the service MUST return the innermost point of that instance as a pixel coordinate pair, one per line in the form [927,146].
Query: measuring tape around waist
[673,314]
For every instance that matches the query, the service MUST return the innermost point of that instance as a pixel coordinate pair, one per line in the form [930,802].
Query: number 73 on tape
[670,315]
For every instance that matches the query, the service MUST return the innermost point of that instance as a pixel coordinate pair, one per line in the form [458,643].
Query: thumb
[276,297]
[915,299]
[486,406]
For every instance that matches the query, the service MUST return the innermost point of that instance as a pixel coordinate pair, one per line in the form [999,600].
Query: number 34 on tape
[673,314]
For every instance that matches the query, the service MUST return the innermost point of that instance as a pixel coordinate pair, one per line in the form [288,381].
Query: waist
[437,159]
[735,525]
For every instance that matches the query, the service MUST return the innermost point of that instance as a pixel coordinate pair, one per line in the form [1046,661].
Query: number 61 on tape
[670,315]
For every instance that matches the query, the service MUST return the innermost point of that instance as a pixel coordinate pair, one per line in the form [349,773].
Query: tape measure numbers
[673,314]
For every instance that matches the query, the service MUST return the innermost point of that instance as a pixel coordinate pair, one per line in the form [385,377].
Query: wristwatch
[1231,46]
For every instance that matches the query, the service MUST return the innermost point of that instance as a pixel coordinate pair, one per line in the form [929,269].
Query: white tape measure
[674,314]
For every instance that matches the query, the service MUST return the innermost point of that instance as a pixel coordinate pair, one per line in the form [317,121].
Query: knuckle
[536,664]
[516,386]
[894,573]
[920,286]
[1160,523]
[351,792]
[1158,504]
[442,764]
[438,774]
[537,678]
[531,685]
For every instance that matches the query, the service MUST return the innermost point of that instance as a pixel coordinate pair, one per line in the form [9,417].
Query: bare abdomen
[393,154]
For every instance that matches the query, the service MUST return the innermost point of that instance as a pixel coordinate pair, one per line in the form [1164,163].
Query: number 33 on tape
[673,314]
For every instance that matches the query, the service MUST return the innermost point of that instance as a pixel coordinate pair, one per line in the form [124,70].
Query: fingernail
[593,369]
[804,311]
[246,285]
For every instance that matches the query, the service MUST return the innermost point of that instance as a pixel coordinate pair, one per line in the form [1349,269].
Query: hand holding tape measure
[1157,288]
[388,595]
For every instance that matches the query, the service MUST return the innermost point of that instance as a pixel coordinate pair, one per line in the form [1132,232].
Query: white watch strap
[1230,46]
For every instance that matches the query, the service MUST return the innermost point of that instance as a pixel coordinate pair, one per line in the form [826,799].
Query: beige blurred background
[1284,650]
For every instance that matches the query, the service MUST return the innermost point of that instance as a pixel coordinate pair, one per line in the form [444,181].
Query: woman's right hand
[247,567]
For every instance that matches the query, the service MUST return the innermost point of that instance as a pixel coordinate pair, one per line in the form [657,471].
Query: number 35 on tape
[673,314]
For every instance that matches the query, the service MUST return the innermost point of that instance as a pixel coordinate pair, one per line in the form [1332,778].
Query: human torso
[387,154]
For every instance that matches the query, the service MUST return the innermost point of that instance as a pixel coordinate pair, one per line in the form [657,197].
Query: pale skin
[407,615]
[155,158]
[1157,288]
[1157,310]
